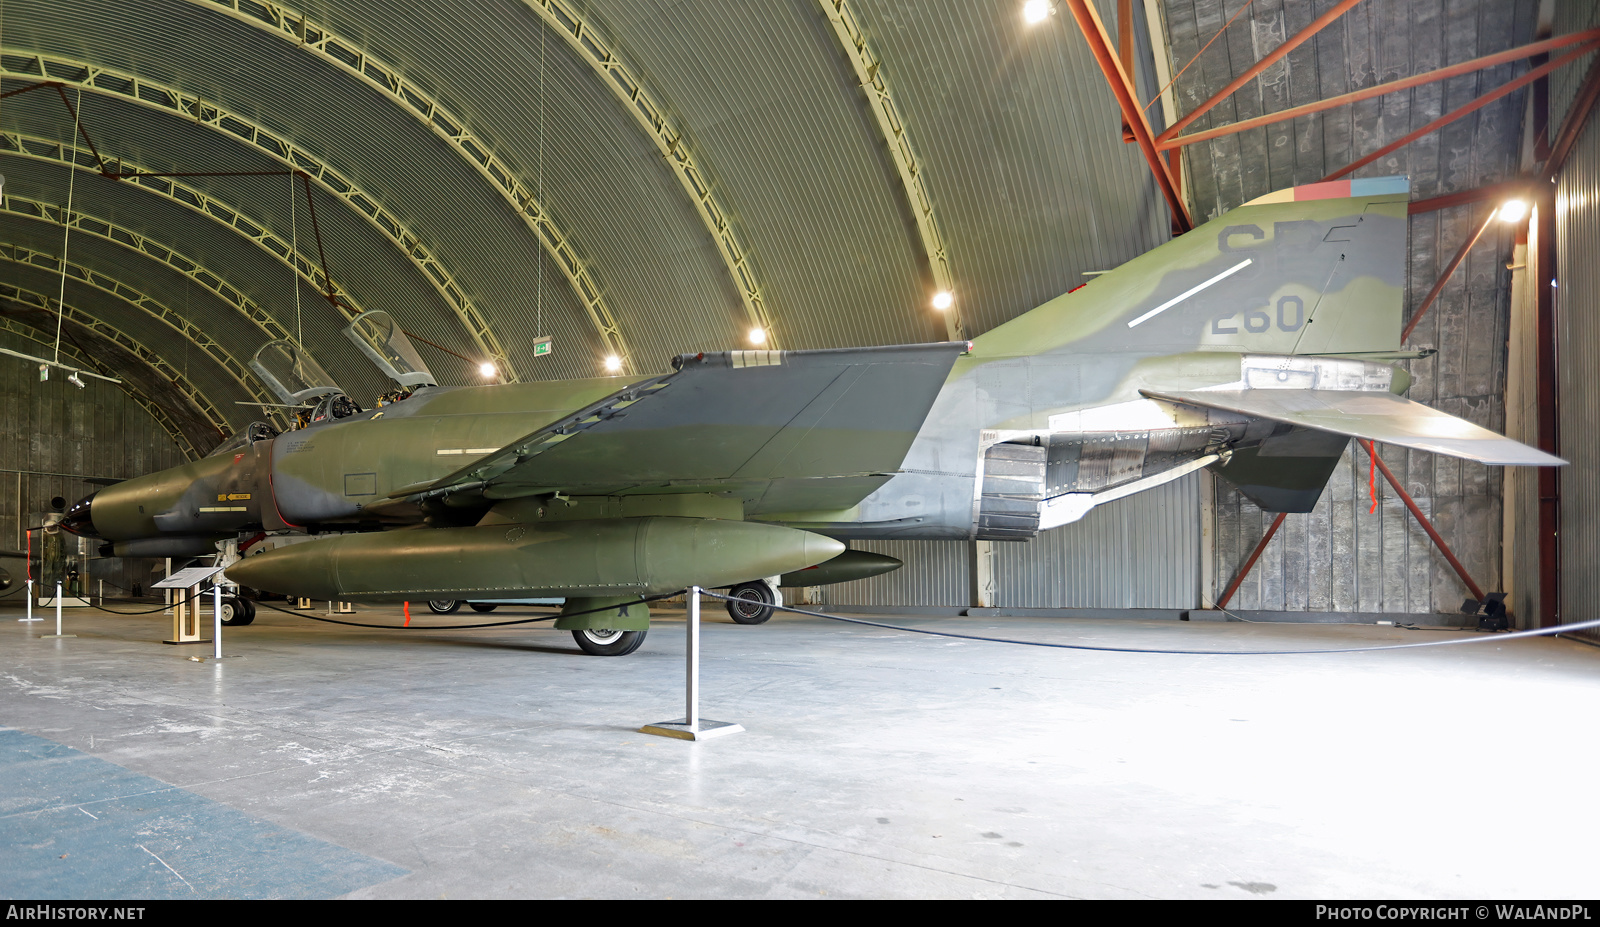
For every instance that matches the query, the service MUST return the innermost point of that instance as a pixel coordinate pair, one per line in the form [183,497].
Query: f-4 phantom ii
[1256,345]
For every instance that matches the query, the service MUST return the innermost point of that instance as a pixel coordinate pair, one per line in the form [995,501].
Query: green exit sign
[543,346]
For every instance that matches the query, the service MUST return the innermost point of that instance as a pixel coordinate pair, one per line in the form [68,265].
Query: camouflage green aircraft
[1256,345]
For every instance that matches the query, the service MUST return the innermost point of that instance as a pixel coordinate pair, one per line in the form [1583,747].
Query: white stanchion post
[692,727]
[216,621]
[29,614]
[58,633]
[691,693]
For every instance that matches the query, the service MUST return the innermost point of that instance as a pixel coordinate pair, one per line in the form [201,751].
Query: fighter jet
[1256,345]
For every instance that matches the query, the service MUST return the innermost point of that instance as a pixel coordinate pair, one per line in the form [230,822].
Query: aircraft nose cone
[77,519]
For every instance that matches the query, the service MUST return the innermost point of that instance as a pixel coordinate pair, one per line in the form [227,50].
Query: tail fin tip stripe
[1337,189]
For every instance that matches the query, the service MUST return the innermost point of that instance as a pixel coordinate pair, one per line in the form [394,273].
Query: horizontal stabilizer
[1371,416]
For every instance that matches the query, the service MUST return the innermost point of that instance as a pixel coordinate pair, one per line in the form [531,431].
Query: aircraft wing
[1373,416]
[788,430]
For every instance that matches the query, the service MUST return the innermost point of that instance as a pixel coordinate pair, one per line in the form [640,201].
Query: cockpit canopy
[291,373]
[379,337]
[251,433]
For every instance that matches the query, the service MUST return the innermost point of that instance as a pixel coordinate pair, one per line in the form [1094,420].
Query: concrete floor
[504,763]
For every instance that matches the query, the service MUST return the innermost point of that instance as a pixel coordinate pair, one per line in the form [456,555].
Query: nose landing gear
[752,602]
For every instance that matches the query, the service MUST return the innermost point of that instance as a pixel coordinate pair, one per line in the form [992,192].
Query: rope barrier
[1558,630]
[1538,632]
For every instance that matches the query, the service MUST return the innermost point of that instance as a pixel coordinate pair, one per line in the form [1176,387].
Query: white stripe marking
[169,868]
[1188,293]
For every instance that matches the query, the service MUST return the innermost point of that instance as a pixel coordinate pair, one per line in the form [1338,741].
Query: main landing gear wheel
[481,607]
[237,612]
[604,642]
[443,606]
[752,603]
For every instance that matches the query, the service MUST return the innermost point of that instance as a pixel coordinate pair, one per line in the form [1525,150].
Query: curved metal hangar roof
[635,178]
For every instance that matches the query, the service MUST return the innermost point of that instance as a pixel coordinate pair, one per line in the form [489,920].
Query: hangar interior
[547,190]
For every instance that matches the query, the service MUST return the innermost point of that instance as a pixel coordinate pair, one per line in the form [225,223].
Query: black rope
[465,627]
[101,608]
[1210,653]
[159,608]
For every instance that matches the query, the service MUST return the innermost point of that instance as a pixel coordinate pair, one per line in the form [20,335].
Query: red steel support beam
[1222,601]
[1482,101]
[1543,229]
[1422,519]
[1493,191]
[1405,83]
[44,83]
[1094,32]
[1125,34]
[1540,113]
[1444,278]
[1272,57]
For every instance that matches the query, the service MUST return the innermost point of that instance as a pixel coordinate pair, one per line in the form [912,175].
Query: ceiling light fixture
[1037,11]
[613,363]
[758,336]
[487,369]
[943,300]
[1513,211]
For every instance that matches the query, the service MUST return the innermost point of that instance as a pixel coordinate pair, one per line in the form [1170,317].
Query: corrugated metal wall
[936,574]
[1578,373]
[1570,16]
[52,435]
[1340,557]
[1139,552]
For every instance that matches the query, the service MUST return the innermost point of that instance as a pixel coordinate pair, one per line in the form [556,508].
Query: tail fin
[1316,269]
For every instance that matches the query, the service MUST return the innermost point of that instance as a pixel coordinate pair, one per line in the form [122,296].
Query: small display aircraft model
[1256,345]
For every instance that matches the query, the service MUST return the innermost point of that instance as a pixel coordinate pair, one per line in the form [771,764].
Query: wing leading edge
[1372,416]
[784,429]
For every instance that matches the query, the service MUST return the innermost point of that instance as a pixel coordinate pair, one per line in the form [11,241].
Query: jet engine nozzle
[77,520]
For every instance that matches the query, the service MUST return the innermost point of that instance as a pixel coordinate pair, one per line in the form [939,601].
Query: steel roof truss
[294,25]
[869,72]
[14,63]
[111,333]
[155,409]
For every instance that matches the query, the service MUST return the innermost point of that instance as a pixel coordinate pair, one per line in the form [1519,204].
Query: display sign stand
[58,635]
[692,727]
[186,613]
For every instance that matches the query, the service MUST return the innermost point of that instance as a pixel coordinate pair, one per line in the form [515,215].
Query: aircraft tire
[481,607]
[443,606]
[237,612]
[608,643]
[753,605]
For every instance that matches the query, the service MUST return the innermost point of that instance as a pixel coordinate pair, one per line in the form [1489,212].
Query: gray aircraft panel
[1373,416]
